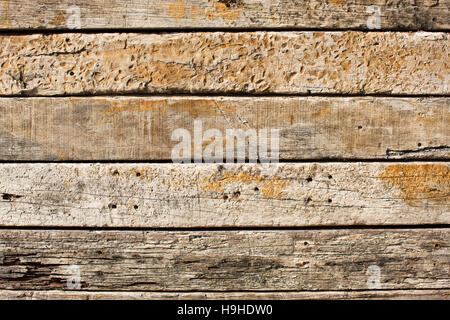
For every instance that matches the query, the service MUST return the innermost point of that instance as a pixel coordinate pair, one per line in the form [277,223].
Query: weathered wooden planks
[440,294]
[216,195]
[225,260]
[164,14]
[141,128]
[252,62]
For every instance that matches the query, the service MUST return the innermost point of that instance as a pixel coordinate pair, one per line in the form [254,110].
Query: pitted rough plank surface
[141,128]
[164,14]
[218,195]
[432,294]
[225,260]
[252,62]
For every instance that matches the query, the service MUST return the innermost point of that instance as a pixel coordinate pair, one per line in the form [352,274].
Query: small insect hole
[309,179]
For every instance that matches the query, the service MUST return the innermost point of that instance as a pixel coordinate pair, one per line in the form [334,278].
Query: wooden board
[441,294]
[226,63]
[142,128]
[223,195]
[197,14]
[225,260]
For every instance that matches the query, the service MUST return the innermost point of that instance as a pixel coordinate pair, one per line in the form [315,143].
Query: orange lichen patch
[419,183]
[225,12]
[270,187]
[59,19]
[177,10]
[337,2]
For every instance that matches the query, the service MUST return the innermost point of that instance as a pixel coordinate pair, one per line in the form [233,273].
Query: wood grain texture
[252,62]
[442,294]
[216,195]
[224,260]
[141,128]
[166,14]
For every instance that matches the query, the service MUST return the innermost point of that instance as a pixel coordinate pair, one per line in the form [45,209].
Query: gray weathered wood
[141,128]
[225,260]
[442,294]
[217,195]
[252,62]
[165,14]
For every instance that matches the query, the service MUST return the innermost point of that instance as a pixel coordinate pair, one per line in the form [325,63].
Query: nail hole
[71,73]
[309,179]
[99,252]
[67,39]
[138,174]
[135,207]
[329,200]
[330,177]
[305,243]
[359,127]
[256,189]
[419,144]
[437,245]
[225,197]
[115,172]
[112,206]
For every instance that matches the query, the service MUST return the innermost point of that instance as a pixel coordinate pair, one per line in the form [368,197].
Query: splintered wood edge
[442,294]
[300,260]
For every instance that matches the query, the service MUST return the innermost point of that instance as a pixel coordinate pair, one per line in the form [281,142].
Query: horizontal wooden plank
[225,260]
[141,128]
[220,62]
[218,195]
[143,295]
[164,14]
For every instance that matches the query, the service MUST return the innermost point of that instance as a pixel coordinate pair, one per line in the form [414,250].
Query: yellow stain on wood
[419,183]
[271,187]
[321,112]
[177,10]
[195,108]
